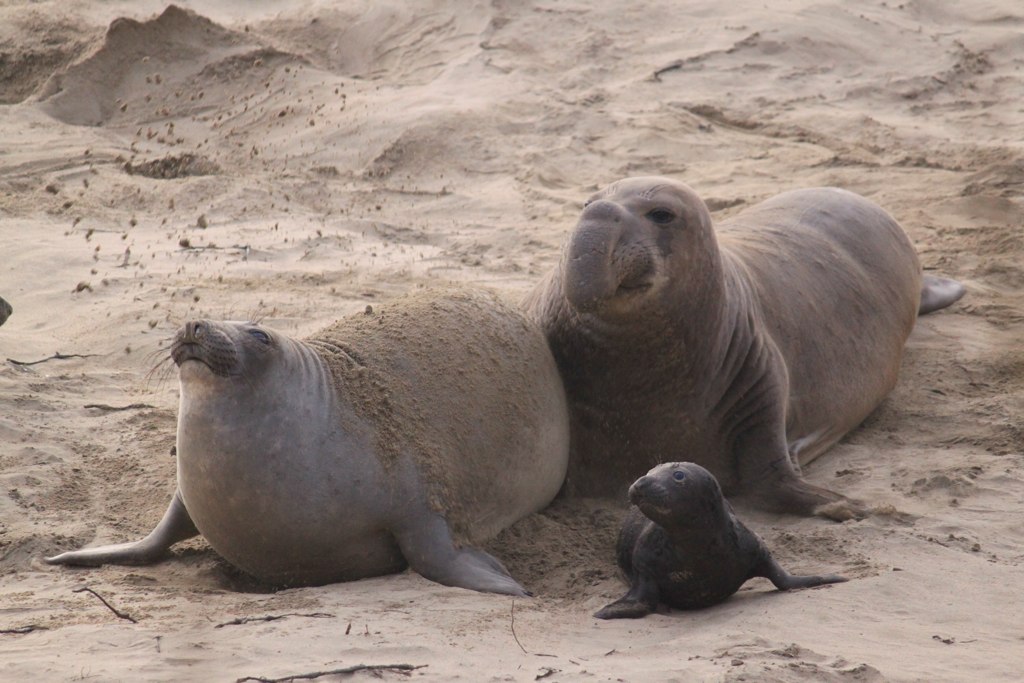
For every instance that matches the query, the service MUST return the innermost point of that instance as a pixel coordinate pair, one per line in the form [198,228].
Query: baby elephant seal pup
[5,311]
[386,440]
[749,347]
[683,547]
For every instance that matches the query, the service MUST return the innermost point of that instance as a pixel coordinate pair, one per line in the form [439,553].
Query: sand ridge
[294,164]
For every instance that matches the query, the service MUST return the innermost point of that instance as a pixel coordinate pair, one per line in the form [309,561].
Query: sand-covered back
[294,163]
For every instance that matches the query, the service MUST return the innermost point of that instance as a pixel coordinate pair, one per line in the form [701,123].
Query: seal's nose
[640,488]
[602,210]
[194,331]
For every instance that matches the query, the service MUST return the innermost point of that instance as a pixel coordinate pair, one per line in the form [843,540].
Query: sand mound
[33,46]
[171,53]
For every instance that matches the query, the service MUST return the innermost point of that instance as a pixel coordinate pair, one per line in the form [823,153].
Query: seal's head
[678,495]
[207,349]
[635,238]
[5,311]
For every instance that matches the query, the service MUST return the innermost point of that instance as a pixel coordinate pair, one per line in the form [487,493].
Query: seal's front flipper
[429,549]
[175,526]
[641,600]
[938,292]
[785,581]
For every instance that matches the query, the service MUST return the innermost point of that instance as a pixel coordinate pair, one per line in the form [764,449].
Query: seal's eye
[679,476]
[661,216]
[260,336]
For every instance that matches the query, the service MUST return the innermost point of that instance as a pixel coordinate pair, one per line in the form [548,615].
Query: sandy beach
[296,162]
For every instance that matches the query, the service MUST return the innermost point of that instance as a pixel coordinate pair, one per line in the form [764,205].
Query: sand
[296,163]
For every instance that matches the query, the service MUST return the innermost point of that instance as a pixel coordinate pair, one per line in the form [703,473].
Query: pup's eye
[661,216]
[679,476]
[260,336]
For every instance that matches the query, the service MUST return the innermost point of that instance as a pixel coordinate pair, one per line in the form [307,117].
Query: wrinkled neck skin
[266,411]
[680,328]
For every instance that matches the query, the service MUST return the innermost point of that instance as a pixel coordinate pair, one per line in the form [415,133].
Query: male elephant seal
[749,349]
[682,546]
[382,440]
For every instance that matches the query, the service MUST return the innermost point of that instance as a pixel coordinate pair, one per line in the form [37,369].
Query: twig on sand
[56,356]
[513,627]
[406,669]
[274,617]
[119,613]
[678,64]
[130,406]
[245,248]
[21,630]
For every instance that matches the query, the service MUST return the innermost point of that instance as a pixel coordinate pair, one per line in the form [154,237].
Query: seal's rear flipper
[795,496]
[427,545]
[175,526]
[938,292]
[785,581]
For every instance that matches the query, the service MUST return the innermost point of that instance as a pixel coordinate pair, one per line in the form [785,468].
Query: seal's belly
[284,518]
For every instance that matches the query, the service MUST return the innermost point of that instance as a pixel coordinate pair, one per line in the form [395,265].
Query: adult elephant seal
[384,440]
[683,547]
[749,349]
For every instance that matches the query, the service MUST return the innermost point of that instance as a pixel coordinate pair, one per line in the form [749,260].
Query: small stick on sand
[130,406]
[513,627]
[274,617]
[21,630]
[397,668]
[119,613]
[56,356]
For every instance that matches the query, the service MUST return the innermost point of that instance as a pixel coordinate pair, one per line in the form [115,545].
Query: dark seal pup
[749,349]
[386,440]
[682,546]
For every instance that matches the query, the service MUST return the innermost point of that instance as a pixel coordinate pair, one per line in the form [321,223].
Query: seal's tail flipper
[938,292]
[785,581]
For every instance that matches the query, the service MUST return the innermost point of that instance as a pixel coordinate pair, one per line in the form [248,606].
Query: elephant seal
[750,349]
[682,546]
[5,310]
[386,439]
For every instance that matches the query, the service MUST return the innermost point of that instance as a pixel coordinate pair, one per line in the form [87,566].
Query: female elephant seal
[382,440]
[749,349]
[682,546]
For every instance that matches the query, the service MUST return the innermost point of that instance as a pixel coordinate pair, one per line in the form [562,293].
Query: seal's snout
[588,266]
[643,488]
[208,343]
[608,258]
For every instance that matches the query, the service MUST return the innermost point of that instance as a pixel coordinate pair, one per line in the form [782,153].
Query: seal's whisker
[160,372]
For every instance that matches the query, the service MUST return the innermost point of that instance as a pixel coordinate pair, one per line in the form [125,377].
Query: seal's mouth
[633,289]
[201,342]
[195,355]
